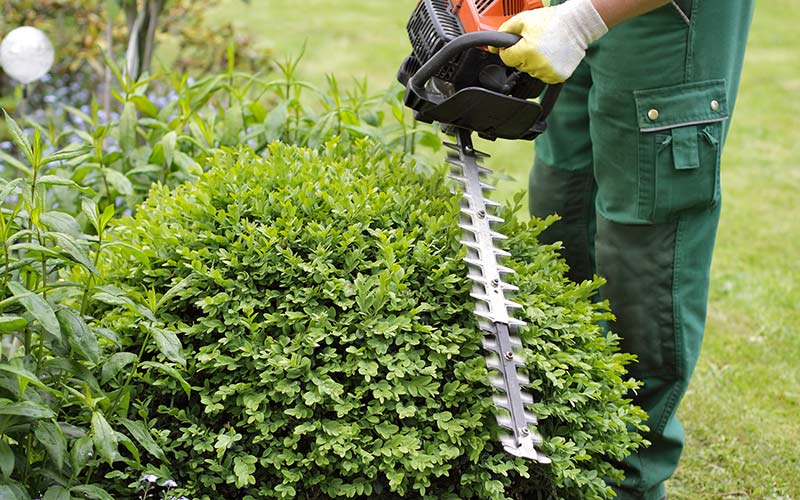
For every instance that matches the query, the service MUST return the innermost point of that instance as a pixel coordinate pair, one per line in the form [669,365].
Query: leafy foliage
[154,140]
[319,302]
[60,415]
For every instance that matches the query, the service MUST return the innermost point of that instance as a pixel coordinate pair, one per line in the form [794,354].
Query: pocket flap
[681,105]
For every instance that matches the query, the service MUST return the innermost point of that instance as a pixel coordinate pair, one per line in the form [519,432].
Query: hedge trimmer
[452,79]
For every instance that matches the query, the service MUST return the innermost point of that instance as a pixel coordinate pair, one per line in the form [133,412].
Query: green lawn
[743,409]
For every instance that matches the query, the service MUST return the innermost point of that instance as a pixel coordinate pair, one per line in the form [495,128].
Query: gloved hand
[554,39]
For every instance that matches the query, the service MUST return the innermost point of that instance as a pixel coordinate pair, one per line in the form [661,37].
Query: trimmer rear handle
[450,51]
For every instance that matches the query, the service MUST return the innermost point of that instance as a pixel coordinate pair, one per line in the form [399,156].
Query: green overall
[631,163]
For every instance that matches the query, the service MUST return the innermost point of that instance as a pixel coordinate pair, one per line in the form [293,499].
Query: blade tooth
[487,187]
[454,160]
[480,154]
[471,244]
[491,203]
[527,399]
[468,227]
[484,171]
[498,236]
[493,364]
[481,296]
[505,423]
[501,253]
[505,270]
[485,326]
[494,219]
[497,382]
[475,262]
[523,379]
[478,278]
[529,417]
[462,180]
[513,305]
[501,402]
[516,322]
[508,287]
[491,345]
[525,450]
[486,315]
[452,146]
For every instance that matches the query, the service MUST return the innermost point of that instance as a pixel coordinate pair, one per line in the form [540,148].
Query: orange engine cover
[488,15]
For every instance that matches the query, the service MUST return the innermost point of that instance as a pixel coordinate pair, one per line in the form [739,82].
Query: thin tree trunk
[110,52]
[154,10]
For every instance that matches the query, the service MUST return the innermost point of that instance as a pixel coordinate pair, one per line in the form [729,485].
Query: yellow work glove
[554,39]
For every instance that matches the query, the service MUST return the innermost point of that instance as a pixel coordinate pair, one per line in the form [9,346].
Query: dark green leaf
[80,338]
[104,438]
[61,222]
[12,324]
[143,437]
[26,378]
[50,436]
[56,493]
[7,459]
[74,250]
[168,144]
[117,298]
[13,491]
[144,105]
[19,138]
[118,181]
[28,409]
[168,344]
[172,372]
[38,308]
[81,453]
[92,491]
[127,127]
[54,180]
[115,363]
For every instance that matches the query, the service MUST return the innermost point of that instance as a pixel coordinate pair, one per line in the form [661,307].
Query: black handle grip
[455,47]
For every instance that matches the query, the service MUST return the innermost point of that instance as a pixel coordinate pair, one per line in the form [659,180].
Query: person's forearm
[615,11]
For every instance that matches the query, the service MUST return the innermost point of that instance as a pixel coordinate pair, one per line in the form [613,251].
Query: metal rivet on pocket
[715,105]
[652,115]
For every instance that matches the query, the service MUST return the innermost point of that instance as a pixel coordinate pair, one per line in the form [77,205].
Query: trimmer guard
[492,115]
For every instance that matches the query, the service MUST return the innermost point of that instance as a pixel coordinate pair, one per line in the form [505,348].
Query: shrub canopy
[328,343]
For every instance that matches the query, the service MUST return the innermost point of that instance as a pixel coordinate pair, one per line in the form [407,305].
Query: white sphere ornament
[26,54]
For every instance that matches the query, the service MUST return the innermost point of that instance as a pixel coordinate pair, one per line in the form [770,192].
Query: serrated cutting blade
[492,306]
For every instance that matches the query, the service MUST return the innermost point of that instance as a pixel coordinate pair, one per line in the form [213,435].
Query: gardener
[630,162]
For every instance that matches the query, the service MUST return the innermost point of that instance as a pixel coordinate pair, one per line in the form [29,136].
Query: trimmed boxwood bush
[328,344]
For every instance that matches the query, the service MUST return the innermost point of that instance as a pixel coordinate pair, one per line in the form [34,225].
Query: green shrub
[322,310]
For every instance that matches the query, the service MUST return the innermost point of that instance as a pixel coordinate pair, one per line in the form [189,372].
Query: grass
[741,412]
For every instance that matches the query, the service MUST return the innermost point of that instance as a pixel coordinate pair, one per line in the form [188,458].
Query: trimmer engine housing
[436,23]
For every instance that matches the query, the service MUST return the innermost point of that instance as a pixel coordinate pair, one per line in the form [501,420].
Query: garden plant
[285,313]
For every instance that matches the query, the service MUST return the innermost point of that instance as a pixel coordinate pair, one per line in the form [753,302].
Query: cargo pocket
[680,137]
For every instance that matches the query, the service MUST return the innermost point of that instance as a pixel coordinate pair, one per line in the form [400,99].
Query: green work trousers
[631,163]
